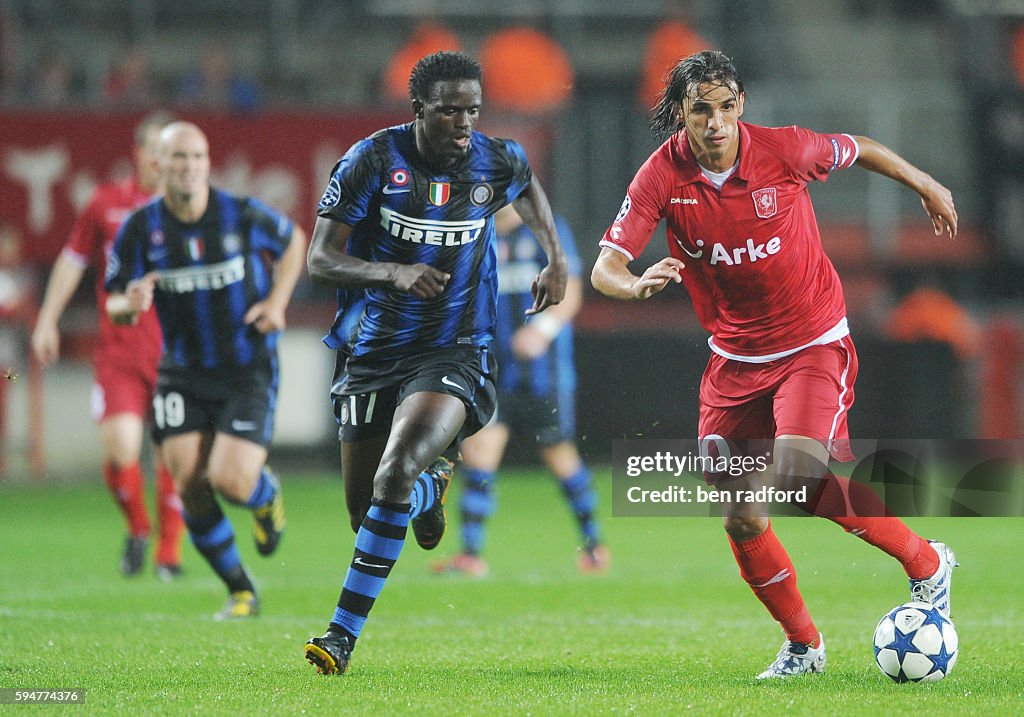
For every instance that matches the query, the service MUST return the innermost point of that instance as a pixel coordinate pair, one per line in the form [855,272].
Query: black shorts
[239,401]
[548,419]
[365,395]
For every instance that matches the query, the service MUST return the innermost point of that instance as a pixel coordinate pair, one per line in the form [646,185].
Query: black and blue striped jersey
[402,211]
[208,275]
[520,259]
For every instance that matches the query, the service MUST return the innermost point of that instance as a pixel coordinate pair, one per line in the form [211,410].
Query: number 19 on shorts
[169,410]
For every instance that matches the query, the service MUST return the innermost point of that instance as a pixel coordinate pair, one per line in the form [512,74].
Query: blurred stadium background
[939,325]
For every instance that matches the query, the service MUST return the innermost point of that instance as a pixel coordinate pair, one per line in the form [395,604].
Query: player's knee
[219,477]
[119,463]
[235,485]
[120,454]
[395,477]
[746,527]
[798,462]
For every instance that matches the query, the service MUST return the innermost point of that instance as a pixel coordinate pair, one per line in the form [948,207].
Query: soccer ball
[914,642]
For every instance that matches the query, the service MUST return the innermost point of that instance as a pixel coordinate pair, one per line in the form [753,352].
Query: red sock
[767,569]
[168,513]
[892,536]
[126,486]
[862,513]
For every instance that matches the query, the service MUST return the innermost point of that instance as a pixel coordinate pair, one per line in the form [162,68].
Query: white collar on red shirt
[691,170]
[718,178]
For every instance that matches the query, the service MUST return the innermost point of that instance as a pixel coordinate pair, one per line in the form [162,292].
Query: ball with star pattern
[915,642]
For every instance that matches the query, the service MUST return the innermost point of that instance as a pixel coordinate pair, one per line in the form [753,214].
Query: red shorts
[806,394]
[122,385]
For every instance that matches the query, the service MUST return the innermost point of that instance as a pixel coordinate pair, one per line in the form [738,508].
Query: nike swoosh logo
[446,382]
[388,189]
[243,425]
[360,561]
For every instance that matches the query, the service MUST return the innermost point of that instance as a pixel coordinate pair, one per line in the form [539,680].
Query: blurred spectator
[670,41]
[52,82]
[903,8]
[929,314]
[218,84]
[129,83]
[8,51]
[1017,52]
[525,71]
[428,36]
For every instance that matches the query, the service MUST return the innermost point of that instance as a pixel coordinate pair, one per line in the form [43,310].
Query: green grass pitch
[670,630]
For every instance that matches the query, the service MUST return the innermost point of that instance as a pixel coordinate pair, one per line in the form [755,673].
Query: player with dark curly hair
[441,67]
[744,242]
[405,233]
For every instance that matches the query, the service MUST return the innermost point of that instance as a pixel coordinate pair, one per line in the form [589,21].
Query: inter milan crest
[765,203]
[231,243]
[481,194]
[439,193]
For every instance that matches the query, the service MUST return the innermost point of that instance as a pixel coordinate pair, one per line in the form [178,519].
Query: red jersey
[91,242]
[756,272]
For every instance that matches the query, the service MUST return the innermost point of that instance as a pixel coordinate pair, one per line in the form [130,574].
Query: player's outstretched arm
[612,277]
[549,286]
[269,315]
[935,198]
[64,279]
[328,264]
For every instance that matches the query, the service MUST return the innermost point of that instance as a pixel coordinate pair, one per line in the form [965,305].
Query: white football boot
[935,590]
[796,659]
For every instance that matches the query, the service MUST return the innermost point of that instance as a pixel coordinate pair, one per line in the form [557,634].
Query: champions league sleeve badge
[332,195]
[113,266]
[623,210]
